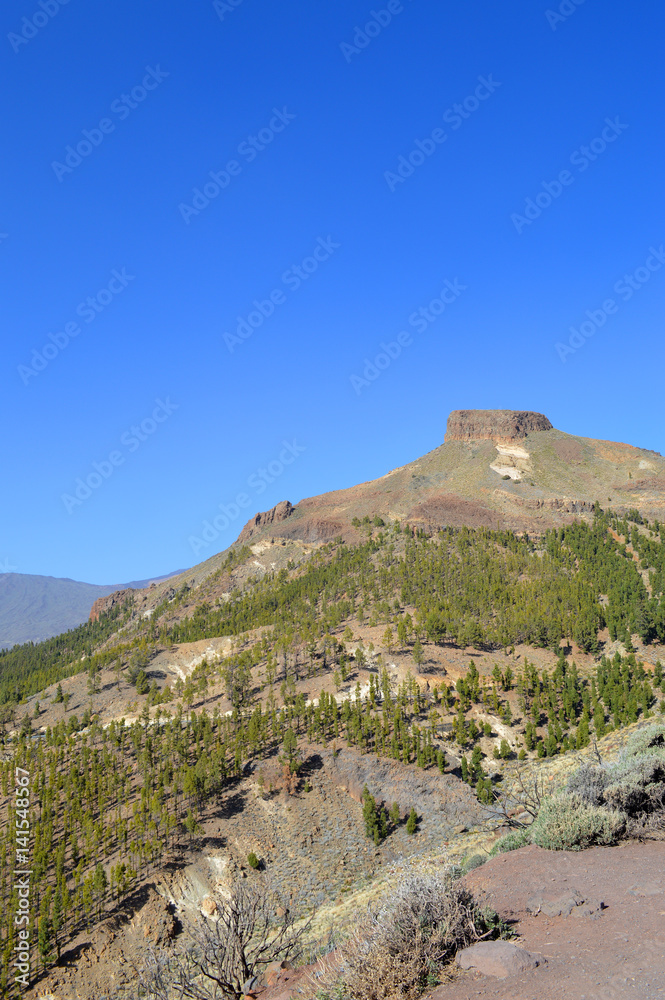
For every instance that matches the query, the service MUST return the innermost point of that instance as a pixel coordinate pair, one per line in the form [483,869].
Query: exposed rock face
[494,425]
[279,513]
[106,603]
[565,505]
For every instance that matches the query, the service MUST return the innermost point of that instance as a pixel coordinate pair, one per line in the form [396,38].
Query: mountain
[34,608]
[360,679]
[504,471]
[501,469]
[496,468]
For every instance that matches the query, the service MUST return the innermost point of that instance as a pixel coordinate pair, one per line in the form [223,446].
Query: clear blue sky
[305,123]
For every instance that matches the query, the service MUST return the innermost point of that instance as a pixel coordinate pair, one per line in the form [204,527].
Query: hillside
[496,468]
[249,706]
[34,608]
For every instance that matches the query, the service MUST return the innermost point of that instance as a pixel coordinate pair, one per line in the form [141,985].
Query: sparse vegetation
[602,802]
[251,927]
[406,944]
[121,797]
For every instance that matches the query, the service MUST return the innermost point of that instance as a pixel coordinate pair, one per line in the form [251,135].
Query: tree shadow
[231,804]
[311,764]
[216,842]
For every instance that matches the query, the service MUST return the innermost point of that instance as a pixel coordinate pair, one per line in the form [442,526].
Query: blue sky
[350,194]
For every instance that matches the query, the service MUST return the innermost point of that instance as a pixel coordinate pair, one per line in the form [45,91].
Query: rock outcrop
[103,604]
[498,958]
[494,425]
[281,512]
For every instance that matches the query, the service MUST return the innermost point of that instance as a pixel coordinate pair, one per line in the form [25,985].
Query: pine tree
[412,822]
[475,770]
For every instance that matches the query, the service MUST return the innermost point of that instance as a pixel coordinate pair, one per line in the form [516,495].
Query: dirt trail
[614,953]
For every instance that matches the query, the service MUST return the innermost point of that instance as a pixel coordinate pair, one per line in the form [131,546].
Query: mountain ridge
[493,468]
[546,478]
[34,607]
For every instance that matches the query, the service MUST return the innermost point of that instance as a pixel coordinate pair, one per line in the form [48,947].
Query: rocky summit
[497,469]
[494,425]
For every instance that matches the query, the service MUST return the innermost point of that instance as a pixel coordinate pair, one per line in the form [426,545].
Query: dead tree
[526,796]
[228,950]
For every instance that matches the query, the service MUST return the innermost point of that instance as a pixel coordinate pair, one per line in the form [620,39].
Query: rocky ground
[587,926]
[596,916]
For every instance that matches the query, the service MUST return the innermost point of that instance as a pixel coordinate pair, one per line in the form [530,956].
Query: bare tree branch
[526,795]
[250,928]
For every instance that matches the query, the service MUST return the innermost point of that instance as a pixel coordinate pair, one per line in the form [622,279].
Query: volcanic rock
[498,958]
[494,425]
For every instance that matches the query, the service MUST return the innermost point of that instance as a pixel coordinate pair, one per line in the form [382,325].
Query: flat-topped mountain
[506,469]
[494,425]
[496,468]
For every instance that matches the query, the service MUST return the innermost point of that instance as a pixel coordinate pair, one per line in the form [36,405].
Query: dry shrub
[250,927]
[404,946]
[650,826]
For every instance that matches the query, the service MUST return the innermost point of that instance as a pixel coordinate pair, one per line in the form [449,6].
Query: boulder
[274,971]
[498,958]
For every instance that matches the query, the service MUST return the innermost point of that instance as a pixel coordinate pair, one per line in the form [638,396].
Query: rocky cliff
[275,515]
[494,425]
[106,603]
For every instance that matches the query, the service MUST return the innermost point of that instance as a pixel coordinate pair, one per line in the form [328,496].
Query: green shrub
[252,860]
[566,822]
[511,841]
[475,861]
[645,739]
[588,783]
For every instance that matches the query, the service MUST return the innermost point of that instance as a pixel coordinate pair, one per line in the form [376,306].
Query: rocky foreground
[588,925]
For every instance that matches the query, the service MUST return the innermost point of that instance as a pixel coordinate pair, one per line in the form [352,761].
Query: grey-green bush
[589,783]
[645,739]
[567,823]
[512,841]
[635,783]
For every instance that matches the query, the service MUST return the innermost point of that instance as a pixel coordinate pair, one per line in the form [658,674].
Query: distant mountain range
[33,608]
